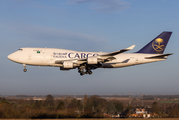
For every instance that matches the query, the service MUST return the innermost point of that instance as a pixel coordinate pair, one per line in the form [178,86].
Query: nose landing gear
[25,70]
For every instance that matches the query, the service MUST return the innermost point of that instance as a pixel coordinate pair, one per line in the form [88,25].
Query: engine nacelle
[67,64]
[92,60]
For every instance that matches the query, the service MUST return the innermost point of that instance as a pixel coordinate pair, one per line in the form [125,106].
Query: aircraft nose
[14,57]
[11,57]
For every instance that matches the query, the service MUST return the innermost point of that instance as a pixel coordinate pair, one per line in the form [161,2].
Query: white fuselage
[48,56]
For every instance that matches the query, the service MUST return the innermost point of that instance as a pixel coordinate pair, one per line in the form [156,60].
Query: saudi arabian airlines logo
[157,45]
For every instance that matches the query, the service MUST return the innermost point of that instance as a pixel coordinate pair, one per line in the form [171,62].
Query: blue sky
[88,25]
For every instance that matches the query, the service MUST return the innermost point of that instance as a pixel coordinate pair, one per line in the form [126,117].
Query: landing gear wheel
[81,70]
[90,72]
[25,70]
[82,73]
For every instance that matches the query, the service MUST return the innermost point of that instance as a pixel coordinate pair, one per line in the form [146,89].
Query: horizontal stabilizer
[159,56]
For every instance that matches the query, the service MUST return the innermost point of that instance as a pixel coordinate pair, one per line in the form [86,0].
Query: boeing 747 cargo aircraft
[87,61]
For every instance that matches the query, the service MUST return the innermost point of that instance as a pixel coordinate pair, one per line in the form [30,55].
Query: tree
[79,105]
[75,104]
[85,99]
[95,103]
[61,105]
[38,104]
[155,107]
[111,108]
[118,105]
[49,101]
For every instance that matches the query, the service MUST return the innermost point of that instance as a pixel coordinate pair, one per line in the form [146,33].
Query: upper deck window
[20,49]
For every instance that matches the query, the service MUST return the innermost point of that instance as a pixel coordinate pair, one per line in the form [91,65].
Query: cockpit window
[20,49]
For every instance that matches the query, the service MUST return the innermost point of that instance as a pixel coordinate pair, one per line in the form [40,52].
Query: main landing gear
[88,72]
[25,70]
[82,71]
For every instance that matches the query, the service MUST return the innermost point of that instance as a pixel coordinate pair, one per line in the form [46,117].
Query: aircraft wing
[118,52]
[101,58]
[110,56]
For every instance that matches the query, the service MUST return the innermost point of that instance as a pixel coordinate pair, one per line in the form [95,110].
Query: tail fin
[157,45]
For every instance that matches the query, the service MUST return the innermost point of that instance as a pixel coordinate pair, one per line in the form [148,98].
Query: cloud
[103,6]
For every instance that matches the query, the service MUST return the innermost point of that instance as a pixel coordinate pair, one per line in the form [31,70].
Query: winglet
[131,47]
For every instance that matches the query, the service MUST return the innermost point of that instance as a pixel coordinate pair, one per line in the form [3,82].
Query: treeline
[68,107]
[166,110]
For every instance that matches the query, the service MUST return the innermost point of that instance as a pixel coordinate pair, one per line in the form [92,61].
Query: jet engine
[92,60]
[67,64]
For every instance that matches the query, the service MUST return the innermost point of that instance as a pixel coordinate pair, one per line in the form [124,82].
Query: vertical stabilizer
[157,45]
